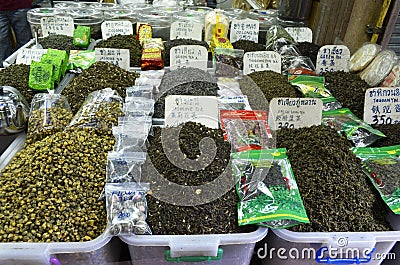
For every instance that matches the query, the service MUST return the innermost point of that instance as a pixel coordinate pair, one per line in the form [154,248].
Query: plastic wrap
[139,107]
[124,166]
[379,68]
[133,92]
[363,56]
[50,113]
[393,79]
[131,135]
[127,208]
[144,81]
[355,129]
[277,37]
[301,65]
[99,111]
[216,23]
[267,189]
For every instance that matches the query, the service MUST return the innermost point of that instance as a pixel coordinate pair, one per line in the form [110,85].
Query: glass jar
[103,6]
[139,8]
[63,5]
[120,14]
[160,23]
[235,13]
[88,17]
[34,16]
[189,16]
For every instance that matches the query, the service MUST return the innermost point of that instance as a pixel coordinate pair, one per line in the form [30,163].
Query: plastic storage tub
[287,247]
[229,249]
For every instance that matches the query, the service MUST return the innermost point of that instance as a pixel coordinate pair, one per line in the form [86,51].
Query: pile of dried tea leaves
[177,42]
[337,195]
[59,42]
[98,76]
[17,76]
[349,89]
[309,49]
[248,46]
[215,217]
[392,132]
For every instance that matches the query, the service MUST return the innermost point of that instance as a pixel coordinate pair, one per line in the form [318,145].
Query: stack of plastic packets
[125,194]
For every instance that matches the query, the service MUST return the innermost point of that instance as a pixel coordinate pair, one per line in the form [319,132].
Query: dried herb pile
[337,195]
[392,133]
[309,49]
[248,46]
[124,42]
[349,89]
[59,42]
[98,76]
[218,216]
[49,192]
[17,76]
[173,43]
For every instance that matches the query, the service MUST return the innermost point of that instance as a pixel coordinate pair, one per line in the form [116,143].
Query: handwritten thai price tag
[57,25]
[244,29]
[382,105]
[188,56]
[119,57]
[333,58]
[117,27]
[186,30]
[300,34]
[26,56]
[261,61]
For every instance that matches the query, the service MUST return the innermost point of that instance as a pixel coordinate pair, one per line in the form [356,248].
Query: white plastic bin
[227,249]
[286,247]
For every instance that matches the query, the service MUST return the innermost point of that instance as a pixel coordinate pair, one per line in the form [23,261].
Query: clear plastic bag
[145,91]
[300,65]
[152,74]
[99,111]
[216,23]
[131,136]
[50,113]
[363,56]
[139,107]
[127,208]
[144,81]
[124,166]
[278,37]
[228,62]
[379,68]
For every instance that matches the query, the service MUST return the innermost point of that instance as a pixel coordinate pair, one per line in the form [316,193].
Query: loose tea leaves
[392,132]
[59,42]
[248,46]
[267,189]
[309,49]
[168,45]
[337,195]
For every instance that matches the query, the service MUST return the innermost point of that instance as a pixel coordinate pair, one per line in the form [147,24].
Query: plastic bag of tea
[267,189]
[234,103]
[41,76]
[57,64]
[152,54]
[379,68]
[99,111]
[393,78]
[145,81]
[216,24]
[139,107]
[363,56]
[49,113]
[127,208]
[228,62]
[246,129]
[82,59]
[382,165]
[145,91]
[124,166]
[278,37]
[300,65]
[131,136]
[81,37]
[313,87]
[356,130]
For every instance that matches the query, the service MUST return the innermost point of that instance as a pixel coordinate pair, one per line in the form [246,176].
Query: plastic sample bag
[124,166]
[145,91]
[131,136]
[355,129]
[127,208]
[379,68]
[278,37]
[228,62]
[139,107]
[363,56]
[267,189]
[382,165]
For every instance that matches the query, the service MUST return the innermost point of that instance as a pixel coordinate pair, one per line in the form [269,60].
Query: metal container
[14,111]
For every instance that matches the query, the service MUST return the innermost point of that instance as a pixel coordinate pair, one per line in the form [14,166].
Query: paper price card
[245,29]
[186,30]
[57,25]
[117,27]
[382,105]
[119,57]
[188,56]
[294,112]
[333,58]
[260,61]
[26,56]
[300,34]
[201,109]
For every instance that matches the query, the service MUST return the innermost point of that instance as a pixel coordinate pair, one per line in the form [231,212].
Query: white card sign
[26,56]
[57,25]
[186,30]
[188,56]
[300,34]
[244,29]
[119,57]
[382,105]
[201,109]
[116,27]
[261,61]
[294,112]
[333,58]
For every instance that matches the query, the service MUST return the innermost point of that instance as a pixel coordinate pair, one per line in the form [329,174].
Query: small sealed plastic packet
[355,129]
[127,208]
[41,76]
[139,107]
[228,62]
[363,56]
[382,165]
[124,166]
[379,68]
[267,189]
[130,136]
[145,91]
[278,37]
[81,37]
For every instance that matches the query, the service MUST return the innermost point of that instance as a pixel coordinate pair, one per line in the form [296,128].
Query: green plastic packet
[56,62]
[63,55]
[356,130]
[41,76]
[82,59]
[267,189]
[81,36]
[382,165]
[314,87]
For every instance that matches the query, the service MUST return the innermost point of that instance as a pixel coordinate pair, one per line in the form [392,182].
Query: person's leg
[20,25]
[5,45]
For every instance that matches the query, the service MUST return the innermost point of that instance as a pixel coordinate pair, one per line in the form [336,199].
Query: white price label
[116,27]
[26,56]
[57,25]
[201,109]
[119,57]
[333,58]
[300,34]
[261,61]
[188,56]
[294,112]
[245,29]
[382,105]
[186,30]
